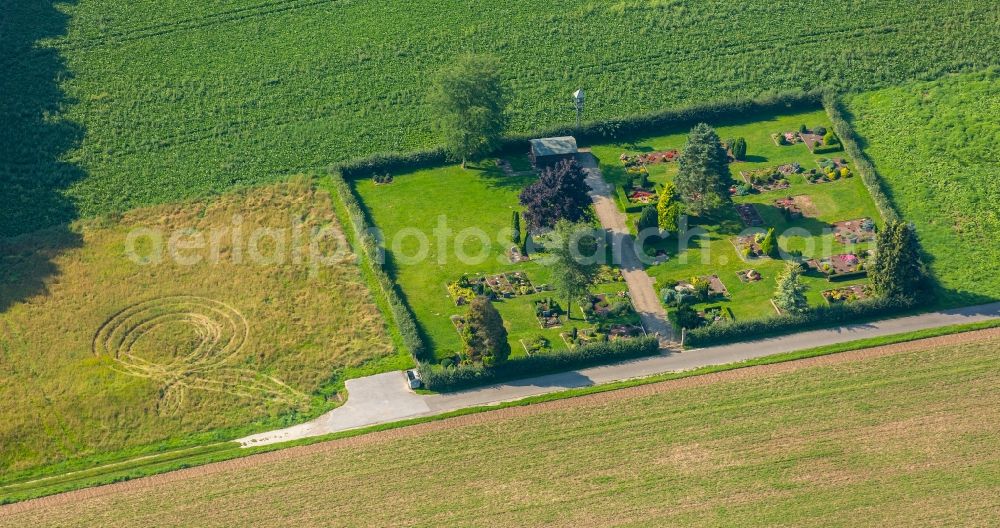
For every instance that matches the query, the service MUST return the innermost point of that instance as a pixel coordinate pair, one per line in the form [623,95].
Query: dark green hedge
[841,277]
[391,162]
[444,379]
[661,122]
[676,119]
[369,251]
[862,165]
[819,317]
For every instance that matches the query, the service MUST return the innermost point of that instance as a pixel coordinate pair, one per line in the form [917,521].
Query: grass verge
[26,488]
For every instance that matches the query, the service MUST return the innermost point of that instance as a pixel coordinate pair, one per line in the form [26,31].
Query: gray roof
[556,146]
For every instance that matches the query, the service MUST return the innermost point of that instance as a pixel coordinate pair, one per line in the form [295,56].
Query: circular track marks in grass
[205,362]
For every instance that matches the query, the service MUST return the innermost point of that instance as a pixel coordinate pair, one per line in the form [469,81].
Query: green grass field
[715,254]
[460,205]
[905,439]
[937,147]
[110,357]
[114,105]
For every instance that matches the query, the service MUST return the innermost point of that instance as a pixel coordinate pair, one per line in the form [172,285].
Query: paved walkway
[640,284]
[385,398]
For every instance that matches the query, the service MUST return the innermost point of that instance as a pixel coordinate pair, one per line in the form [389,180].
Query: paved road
[385,398]
[640,284]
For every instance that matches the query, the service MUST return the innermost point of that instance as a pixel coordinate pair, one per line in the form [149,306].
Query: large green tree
[896,269]
[573,264]
[790,294]
[468,100]
[703,178]
[484,334]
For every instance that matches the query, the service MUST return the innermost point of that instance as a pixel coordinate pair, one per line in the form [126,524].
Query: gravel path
[56,501]
[640,284]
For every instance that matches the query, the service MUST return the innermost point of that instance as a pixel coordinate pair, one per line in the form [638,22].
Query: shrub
[443,379]
[515,227]
[740,149]
[648,219]
[628,183]
[817,317]
[687,317]
[769,245]
[820,131]
[829,138]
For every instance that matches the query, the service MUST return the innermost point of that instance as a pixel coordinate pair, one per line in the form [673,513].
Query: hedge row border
[863,165]
[614,129]
[447,379]
[816,318]
[368,252]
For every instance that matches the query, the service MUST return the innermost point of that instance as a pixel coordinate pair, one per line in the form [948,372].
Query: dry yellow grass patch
[100,352]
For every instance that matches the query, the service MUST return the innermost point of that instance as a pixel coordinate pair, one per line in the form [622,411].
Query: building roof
[555,146]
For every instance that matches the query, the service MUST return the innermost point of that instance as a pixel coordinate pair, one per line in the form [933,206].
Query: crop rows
[185,98]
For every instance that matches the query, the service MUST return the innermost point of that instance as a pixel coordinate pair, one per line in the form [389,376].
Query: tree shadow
[34,140]
[775,217]
[753,158]
[26,261]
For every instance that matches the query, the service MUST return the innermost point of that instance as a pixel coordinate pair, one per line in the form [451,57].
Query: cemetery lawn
[714,253]
[481,198]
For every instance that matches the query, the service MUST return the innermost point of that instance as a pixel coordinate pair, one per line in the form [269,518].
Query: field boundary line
[485,414]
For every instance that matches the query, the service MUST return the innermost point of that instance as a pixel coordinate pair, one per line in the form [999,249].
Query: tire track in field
[221,332]
[248,127]
[116,37]
[987,335]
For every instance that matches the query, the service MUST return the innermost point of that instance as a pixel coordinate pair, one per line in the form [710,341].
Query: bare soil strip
[501,414]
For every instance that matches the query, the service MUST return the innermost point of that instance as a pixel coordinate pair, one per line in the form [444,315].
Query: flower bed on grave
[576,337]
[749,215]
[843,266]
[613,315]
[642,196]
[771,178]
[607,275]
[749,275]
[649,158]
[854,231]
[796,207]
[549,313]
[785,138]
[828,170]
[853,293]
[748,246]
[515,256]
[715,286]
[714,314]
[501,286]
[601,333]
[536,345]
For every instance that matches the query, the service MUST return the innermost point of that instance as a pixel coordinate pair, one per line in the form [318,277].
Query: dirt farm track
[9,513]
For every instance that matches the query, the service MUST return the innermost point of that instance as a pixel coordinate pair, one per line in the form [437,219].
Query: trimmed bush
[818,317]
[444,379]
